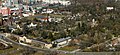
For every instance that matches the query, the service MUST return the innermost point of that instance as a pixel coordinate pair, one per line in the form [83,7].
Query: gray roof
[62,39]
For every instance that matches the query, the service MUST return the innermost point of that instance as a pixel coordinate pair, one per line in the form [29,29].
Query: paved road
[76,50]
[3,42]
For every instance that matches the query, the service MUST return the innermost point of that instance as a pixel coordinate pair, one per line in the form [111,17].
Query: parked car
[25,14]
[47,11]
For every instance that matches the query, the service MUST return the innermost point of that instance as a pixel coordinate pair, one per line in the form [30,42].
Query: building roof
[62,39]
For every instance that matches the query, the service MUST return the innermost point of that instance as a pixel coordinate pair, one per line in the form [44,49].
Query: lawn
[7,50]
[39,53]
[69,48]
[58,16]
[53,15]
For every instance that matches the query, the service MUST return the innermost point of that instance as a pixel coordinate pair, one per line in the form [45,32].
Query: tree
[44,35]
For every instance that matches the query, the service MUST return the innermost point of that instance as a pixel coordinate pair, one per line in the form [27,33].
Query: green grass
[10,49]
[7,50]
[69,48]
[58,16]
[48,40]
[54,15]
[39,53]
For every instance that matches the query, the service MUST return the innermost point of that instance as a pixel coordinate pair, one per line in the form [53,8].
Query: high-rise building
[10,2]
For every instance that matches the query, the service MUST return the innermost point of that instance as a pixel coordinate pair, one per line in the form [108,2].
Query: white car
[48,11]
[25,15]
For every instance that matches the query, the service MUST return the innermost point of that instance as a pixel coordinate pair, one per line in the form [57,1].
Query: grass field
[69,48]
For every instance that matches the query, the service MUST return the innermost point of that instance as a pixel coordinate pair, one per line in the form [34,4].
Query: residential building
[109,8]
[29,1]
[32,25]
[10,2]
[5,11]
[63,2]
[48,46]
[62,41]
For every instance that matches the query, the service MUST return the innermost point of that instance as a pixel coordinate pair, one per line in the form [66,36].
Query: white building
[63,2]
[109,8]
[32,25]
[62,41]
[10,2]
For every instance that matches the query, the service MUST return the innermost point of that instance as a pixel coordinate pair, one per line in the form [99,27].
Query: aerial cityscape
[59,27]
